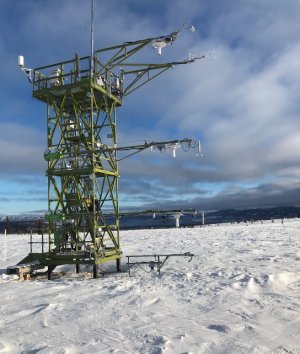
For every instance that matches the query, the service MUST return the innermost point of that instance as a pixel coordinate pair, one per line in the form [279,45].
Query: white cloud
[244,105]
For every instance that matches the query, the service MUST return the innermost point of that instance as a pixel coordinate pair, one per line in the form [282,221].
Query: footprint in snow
[219,328]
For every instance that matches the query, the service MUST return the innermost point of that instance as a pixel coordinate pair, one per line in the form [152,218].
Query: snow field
[239,294]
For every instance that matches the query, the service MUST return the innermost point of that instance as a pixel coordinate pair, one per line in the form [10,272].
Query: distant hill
[233,215]
[24,223]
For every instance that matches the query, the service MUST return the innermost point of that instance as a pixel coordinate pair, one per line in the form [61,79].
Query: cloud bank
[243,105]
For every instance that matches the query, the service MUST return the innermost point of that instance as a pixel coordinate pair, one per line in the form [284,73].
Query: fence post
[4,247]
[31,241]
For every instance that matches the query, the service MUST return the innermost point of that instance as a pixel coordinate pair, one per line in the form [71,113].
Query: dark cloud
[261,196]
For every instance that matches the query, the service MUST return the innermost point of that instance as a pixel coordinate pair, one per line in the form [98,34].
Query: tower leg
[50,270]
[95,271]
[119,265]
[77,268]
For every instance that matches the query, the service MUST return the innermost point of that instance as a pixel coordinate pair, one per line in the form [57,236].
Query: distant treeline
[22,226]
[17,225]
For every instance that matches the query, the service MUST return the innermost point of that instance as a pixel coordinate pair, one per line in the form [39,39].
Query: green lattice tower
[82,178]
[82,96]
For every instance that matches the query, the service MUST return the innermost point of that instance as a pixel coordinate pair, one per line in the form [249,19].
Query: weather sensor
[161,42]
[20,61]
[26,71]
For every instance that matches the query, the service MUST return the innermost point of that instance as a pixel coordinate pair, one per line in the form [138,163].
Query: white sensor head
[173,148]
[21,61]
[158,45]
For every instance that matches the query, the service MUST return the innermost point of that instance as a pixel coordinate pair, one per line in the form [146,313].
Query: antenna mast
[92,37]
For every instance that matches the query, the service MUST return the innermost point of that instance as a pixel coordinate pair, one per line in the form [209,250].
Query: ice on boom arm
[112,67]
[162,146]
[133,75]
[161,42]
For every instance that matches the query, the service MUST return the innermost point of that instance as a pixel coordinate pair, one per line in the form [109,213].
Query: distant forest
[36,224]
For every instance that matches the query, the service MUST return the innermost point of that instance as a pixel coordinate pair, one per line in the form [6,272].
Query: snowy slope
[240,294]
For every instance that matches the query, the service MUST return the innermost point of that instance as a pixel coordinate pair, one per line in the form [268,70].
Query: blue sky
[244,105]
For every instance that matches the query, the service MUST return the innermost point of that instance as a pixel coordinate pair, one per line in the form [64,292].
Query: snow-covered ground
[240,294]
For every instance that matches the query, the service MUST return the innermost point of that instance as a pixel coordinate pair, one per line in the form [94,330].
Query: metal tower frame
[82,96]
